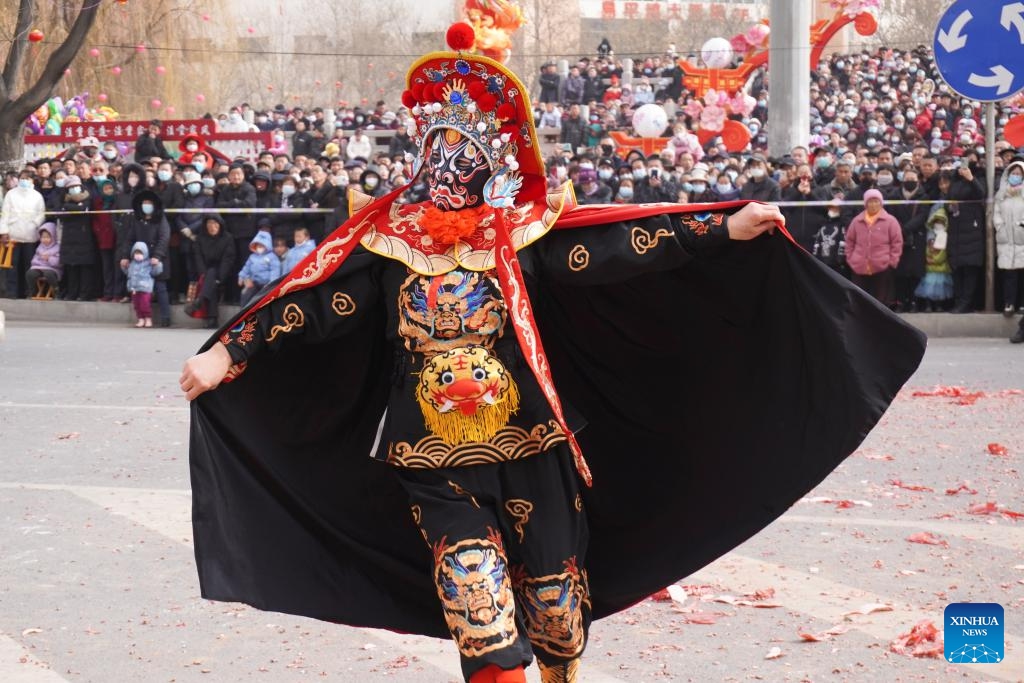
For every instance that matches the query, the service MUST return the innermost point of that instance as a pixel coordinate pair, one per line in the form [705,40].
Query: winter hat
[588,175]
[190,177]
[72,181]
[873,194]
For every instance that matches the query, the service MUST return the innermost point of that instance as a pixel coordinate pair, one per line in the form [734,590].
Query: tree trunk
[16,106]
[12,146]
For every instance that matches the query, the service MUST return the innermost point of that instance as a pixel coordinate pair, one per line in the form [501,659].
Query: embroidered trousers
[509,543]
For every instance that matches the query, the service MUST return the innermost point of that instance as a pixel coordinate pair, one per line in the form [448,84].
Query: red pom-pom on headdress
[507,112]
[460,36]
[487,102]
[409,100]
[476,89]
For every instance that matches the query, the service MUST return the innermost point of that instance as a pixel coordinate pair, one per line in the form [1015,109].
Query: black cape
[716,395]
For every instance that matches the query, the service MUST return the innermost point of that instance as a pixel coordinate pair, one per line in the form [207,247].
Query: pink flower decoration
[757,35]
[739,44]
[714,98]
[712,118]
[741,103]
[694,109]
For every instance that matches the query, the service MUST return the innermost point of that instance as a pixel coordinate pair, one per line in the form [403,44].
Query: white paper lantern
[650,121]
[717,53]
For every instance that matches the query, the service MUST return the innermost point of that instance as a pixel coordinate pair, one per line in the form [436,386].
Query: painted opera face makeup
[457,171]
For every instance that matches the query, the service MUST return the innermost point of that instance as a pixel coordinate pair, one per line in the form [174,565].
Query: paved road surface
[97,581]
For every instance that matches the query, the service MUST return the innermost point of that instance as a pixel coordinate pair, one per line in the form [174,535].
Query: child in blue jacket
[261,268]
[141,271]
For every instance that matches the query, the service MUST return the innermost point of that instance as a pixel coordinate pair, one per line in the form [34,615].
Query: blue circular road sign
[979,48]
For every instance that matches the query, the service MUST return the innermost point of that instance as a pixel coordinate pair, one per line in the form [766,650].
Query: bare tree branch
[58,62]
[12,67]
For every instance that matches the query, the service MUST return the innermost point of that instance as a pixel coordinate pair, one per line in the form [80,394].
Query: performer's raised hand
[754,219]
[205,371]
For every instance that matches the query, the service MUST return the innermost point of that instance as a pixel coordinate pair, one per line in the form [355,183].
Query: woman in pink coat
[874,243]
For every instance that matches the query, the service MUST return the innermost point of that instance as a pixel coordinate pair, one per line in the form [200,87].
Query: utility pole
[789,75]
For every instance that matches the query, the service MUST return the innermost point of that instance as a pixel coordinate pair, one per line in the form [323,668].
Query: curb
[935,325]
[94,313]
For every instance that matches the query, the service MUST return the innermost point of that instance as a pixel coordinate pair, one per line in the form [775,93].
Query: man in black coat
[966,245]
[913,219]
[238,194]
[150,144]
[574,130]
[803,222]
[760,187]
[550,84]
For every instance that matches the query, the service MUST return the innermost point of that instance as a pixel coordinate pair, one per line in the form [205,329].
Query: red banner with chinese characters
[129,131]
[659,10]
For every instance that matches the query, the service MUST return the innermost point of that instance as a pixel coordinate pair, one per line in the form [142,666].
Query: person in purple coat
[45,263]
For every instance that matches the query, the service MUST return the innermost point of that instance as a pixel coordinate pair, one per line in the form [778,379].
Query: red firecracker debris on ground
[927,538]
[923,640]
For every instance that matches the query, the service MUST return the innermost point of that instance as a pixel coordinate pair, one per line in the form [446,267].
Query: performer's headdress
[481,99]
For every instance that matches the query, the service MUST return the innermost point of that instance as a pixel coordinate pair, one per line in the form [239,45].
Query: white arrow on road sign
[954,40]
[1001,78]
[1013,15]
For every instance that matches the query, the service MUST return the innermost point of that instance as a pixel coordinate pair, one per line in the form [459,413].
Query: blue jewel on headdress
[462,66]
[703,217]
[455,97]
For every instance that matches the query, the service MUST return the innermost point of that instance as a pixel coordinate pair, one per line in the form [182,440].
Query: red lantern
[94,52]
[35,36]
[102,97]
[156,104]
[170,111]
[116,71]
[161,70]
[140,48]
[206,17]
[200,97]
[270,87]
[337,84]
[317,82]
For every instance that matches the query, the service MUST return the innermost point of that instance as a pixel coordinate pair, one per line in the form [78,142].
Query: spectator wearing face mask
[1009,223]
[289,198]
[966,246]
[590,189]
[760,187]
[234,123]
[700,187]
[23,212]
[238,194]
[724,190]
[624,195]
[913,219]
[190,223]
[148,224]
[359,145]
[874,244]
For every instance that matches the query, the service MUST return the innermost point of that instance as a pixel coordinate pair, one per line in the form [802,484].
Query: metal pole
[789,74]
[990,228]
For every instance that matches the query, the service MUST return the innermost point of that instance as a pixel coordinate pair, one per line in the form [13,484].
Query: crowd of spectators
[889,145]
